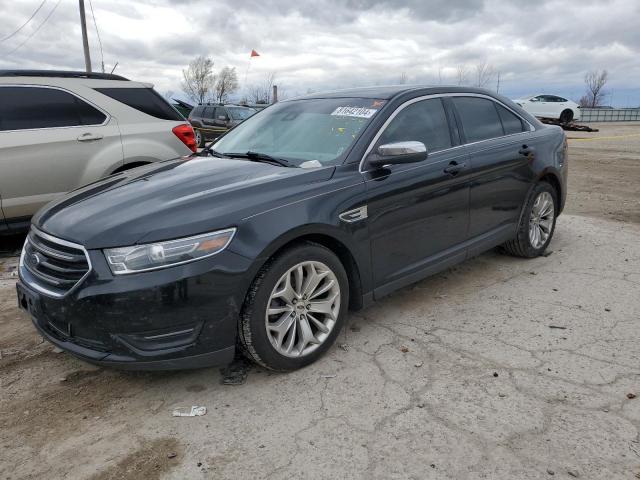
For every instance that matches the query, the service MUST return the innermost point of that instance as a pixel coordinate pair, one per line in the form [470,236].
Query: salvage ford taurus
[309,208]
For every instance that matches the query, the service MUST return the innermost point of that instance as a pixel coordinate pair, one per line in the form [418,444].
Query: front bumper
[179,317]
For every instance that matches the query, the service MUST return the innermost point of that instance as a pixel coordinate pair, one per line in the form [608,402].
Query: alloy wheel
[198,138]
[303,309]
[541,219]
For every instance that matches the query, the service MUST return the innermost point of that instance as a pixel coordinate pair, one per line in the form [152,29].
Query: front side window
[479,117]
[320,129]
[240,113]
[23,108]
[220,113]
[424,121]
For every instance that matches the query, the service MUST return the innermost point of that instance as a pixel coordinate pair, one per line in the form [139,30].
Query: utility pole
[85,40]
[275,94]
[498,85]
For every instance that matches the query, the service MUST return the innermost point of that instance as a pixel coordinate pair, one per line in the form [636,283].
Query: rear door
[48,137]
[500,149]
[418,213]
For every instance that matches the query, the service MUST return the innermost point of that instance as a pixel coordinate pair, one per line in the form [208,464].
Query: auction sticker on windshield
[359,112]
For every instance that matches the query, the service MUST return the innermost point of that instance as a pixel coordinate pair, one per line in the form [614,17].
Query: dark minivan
[309,208]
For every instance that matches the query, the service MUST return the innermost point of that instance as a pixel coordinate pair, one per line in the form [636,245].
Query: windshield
[320,129]
[240,113]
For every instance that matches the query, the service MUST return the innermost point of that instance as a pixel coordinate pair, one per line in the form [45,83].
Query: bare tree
[595,82]
[403,78]
[262,92]
[462,74]
[226,84]
[198,79]
[484,74]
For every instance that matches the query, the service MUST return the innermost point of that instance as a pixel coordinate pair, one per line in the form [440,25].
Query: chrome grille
[52,265]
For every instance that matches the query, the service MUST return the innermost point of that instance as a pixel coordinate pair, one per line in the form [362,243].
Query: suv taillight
[185,133]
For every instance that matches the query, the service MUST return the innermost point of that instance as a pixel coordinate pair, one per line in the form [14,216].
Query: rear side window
[424,121]
[208,112]
[510,122]
[145,100]
[479,117]
[23,108]
[221,113]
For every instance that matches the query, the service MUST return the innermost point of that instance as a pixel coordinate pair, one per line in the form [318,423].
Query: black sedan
[310,208]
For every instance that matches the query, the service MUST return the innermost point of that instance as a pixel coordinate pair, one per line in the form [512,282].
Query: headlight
[152,256]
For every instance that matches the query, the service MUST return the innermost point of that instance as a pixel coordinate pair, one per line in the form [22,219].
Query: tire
[525,244]
[200,140]
[285,346]
[566,116]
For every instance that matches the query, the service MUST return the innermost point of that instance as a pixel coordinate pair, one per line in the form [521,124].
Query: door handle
[526,150]
[454,168]
[89,137]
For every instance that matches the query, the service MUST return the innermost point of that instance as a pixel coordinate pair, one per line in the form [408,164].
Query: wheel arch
[329,241]
[555,182]
[129,166]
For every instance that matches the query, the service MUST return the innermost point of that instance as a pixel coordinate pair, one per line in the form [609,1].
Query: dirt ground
[497,368]
[604,173]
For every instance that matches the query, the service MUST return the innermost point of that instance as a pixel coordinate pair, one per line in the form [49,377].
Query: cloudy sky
[535,45]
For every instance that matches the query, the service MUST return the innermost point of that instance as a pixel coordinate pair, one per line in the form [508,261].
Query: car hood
[173,199]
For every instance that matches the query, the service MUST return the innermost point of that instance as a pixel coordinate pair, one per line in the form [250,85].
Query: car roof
[61,74]
[391,91]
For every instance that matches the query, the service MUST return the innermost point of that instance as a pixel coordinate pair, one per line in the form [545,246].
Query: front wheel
[295,308]
[537,224]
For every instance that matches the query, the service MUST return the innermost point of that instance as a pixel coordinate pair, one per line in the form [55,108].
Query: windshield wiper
[260,157]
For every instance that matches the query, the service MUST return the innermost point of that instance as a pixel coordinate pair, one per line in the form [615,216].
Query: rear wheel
[537,224]
[295,308]
[199,138]
[566,116]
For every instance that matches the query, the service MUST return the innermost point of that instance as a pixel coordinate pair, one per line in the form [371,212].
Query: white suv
[62,130]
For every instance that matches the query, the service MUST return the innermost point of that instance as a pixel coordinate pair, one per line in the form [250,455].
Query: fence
[609,114]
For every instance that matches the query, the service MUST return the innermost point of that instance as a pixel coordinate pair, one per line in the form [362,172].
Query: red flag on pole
[254,53]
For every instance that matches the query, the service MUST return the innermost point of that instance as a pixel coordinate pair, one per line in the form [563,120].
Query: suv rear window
[145,100]
[23,108]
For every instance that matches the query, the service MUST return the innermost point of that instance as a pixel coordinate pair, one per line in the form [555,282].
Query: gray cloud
[325,44]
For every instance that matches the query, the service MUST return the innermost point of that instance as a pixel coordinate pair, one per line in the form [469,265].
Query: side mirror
[399,152]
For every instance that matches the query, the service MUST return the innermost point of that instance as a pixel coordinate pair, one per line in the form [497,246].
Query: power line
[25,23]
[36,30]
[98,34]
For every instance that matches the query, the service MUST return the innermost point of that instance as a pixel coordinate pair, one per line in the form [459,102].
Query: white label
[359,112]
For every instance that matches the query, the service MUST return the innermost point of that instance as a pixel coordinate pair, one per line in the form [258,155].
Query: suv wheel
[295,308]
[199,138]
[537,224]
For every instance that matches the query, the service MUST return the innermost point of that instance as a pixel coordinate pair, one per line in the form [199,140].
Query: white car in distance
[550,106]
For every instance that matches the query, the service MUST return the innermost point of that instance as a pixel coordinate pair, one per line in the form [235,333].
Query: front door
[418,213]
